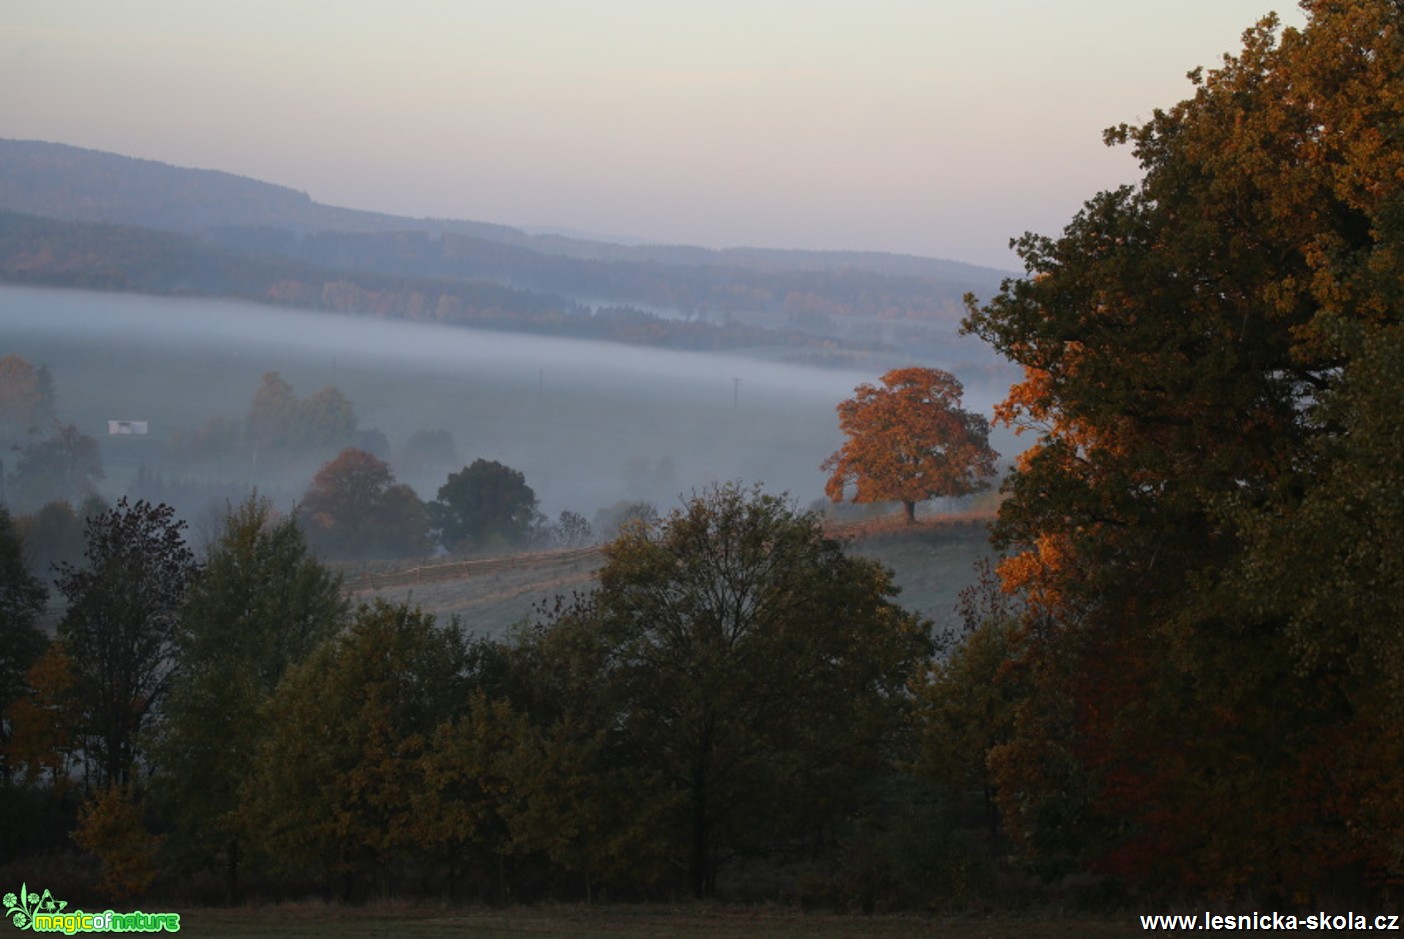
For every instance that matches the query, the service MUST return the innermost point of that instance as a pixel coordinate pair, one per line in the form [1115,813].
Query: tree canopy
[910,441]
[1206,527]
[26,399]
[62,467]
[262,604]
[279,421]
[334,784]
[120,626]
[482,502]
[355,509]
[736,671]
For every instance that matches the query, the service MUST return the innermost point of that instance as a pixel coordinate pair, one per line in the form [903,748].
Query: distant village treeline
[43,252]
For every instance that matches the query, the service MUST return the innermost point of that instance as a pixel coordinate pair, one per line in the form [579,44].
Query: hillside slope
[932,562]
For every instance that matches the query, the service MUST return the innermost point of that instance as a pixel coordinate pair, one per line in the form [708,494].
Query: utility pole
[735,393]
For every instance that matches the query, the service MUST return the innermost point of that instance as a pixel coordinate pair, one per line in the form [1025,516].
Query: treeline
[40,251]
[353,508]
[42,460]
[737,709]
[62,182]
[711,291]
[47,461]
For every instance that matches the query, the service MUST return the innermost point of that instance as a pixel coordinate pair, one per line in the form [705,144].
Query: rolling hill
[114,222]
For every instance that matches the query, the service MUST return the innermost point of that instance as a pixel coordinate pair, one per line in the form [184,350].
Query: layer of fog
[589,423]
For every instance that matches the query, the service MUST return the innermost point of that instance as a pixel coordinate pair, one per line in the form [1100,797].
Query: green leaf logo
[21,909]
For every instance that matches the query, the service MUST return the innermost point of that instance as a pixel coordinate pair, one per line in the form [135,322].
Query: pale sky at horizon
[936,128]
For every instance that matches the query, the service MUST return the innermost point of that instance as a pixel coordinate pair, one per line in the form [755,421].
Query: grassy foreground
[590,922]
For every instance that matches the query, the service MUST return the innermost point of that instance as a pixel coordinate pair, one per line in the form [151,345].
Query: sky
[940,128]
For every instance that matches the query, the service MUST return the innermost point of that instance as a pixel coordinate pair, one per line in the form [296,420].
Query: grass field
[931,561]
[694,921]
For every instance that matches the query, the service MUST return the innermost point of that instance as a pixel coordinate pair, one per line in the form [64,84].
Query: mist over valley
[588,423]
[610,375]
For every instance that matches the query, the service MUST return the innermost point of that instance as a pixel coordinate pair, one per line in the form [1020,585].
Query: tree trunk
[232,870]
[699,866]
[909,508]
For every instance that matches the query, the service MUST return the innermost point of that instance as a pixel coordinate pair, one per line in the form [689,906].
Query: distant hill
[37,251]
[866,298]
[59,181]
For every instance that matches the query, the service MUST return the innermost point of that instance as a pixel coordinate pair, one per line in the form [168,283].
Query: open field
[628,922]
[932,561]
[489,595]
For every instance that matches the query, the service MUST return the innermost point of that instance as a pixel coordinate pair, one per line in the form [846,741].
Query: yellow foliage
[42,738]
[109,827]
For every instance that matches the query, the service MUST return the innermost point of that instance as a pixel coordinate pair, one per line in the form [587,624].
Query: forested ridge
[40,251]
[1180,686]
[112,218]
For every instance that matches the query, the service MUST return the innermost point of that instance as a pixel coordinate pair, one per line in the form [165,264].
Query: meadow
[931,562]
[649,921]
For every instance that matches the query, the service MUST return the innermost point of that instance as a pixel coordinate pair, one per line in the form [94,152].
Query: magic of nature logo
[42,913]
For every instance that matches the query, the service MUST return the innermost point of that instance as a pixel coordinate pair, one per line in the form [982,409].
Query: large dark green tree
[483,502]
[121,625]
[336,785]
[735,672]
[54,534]
[1204,527]
[262,604]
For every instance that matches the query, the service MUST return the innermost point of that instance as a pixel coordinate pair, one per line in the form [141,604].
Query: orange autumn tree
[910,441]
[355,509]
